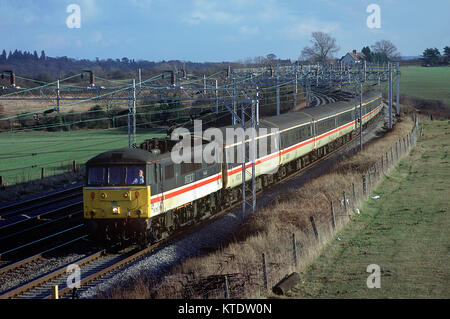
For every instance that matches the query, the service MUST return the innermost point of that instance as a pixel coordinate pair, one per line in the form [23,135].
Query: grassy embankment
[270,231]
[405,232]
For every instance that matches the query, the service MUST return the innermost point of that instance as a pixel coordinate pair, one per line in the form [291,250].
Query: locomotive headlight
[115,210]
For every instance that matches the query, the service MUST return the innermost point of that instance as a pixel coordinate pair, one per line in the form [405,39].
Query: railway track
[38,201]
[97,265]
[41,222]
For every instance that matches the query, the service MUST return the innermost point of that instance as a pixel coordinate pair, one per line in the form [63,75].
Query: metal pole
[253,154]
[278,89]
[360,116]
[398,88]
[295,89]
[243,160]
[217,98]
[390,95]
[257,105]
[129,120]
[58,96]
[140,79]
[204,84]
[234,100]
[134,113]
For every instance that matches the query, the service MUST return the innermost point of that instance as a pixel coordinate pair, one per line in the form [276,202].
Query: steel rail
[38,217]
[31,200]
[40,255]
[41,280]
[2,254]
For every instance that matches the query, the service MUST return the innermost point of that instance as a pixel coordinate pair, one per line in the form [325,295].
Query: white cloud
[306,27]
[248,31]
[211,11]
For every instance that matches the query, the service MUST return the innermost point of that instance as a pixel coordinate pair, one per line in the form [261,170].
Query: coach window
[151,174]
[115,175]
[168,172]
[96,175]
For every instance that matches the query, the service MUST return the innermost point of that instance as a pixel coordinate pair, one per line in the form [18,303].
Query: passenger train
[142,196]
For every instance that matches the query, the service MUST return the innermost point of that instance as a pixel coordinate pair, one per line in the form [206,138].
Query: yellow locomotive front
[117,196]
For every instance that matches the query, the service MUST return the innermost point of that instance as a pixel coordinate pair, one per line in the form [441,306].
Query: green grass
[406,232]
[432,83]
[53,150]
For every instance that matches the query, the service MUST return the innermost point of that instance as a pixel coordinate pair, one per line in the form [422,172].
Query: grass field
[405,232]
[431,83]
[56,150]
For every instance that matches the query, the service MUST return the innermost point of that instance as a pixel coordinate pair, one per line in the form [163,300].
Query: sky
[216,30]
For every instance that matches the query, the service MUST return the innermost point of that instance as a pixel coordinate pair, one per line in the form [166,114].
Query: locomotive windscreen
[116,175]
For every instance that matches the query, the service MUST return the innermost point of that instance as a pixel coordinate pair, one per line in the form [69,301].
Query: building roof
[356,56]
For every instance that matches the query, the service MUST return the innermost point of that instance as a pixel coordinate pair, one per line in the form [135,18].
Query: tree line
[43,68]
[432,57]
[324,47]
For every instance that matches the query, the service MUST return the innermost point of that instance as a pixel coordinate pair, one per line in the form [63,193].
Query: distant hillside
[43,68]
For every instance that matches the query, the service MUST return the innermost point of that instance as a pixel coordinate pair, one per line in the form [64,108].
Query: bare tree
[271,57]
[387,47]
[323,49]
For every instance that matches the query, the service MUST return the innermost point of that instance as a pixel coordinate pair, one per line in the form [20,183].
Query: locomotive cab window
[96,175]
[115,175]
[135,175]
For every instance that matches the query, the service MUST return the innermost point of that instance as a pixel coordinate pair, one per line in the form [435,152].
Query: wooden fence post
[225,288]
[333,221]
[313,223]
[354,194]
[42,173]
[345,201]
[294,249]
[364,185]
[264,271]
[396,149]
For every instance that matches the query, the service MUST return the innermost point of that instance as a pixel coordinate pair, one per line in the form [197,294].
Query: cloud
[248,31]
[212,12]
[306,27]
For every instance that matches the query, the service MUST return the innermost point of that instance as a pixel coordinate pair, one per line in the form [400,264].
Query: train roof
[283,121]
[290,119]
[123,156]
[303,116]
